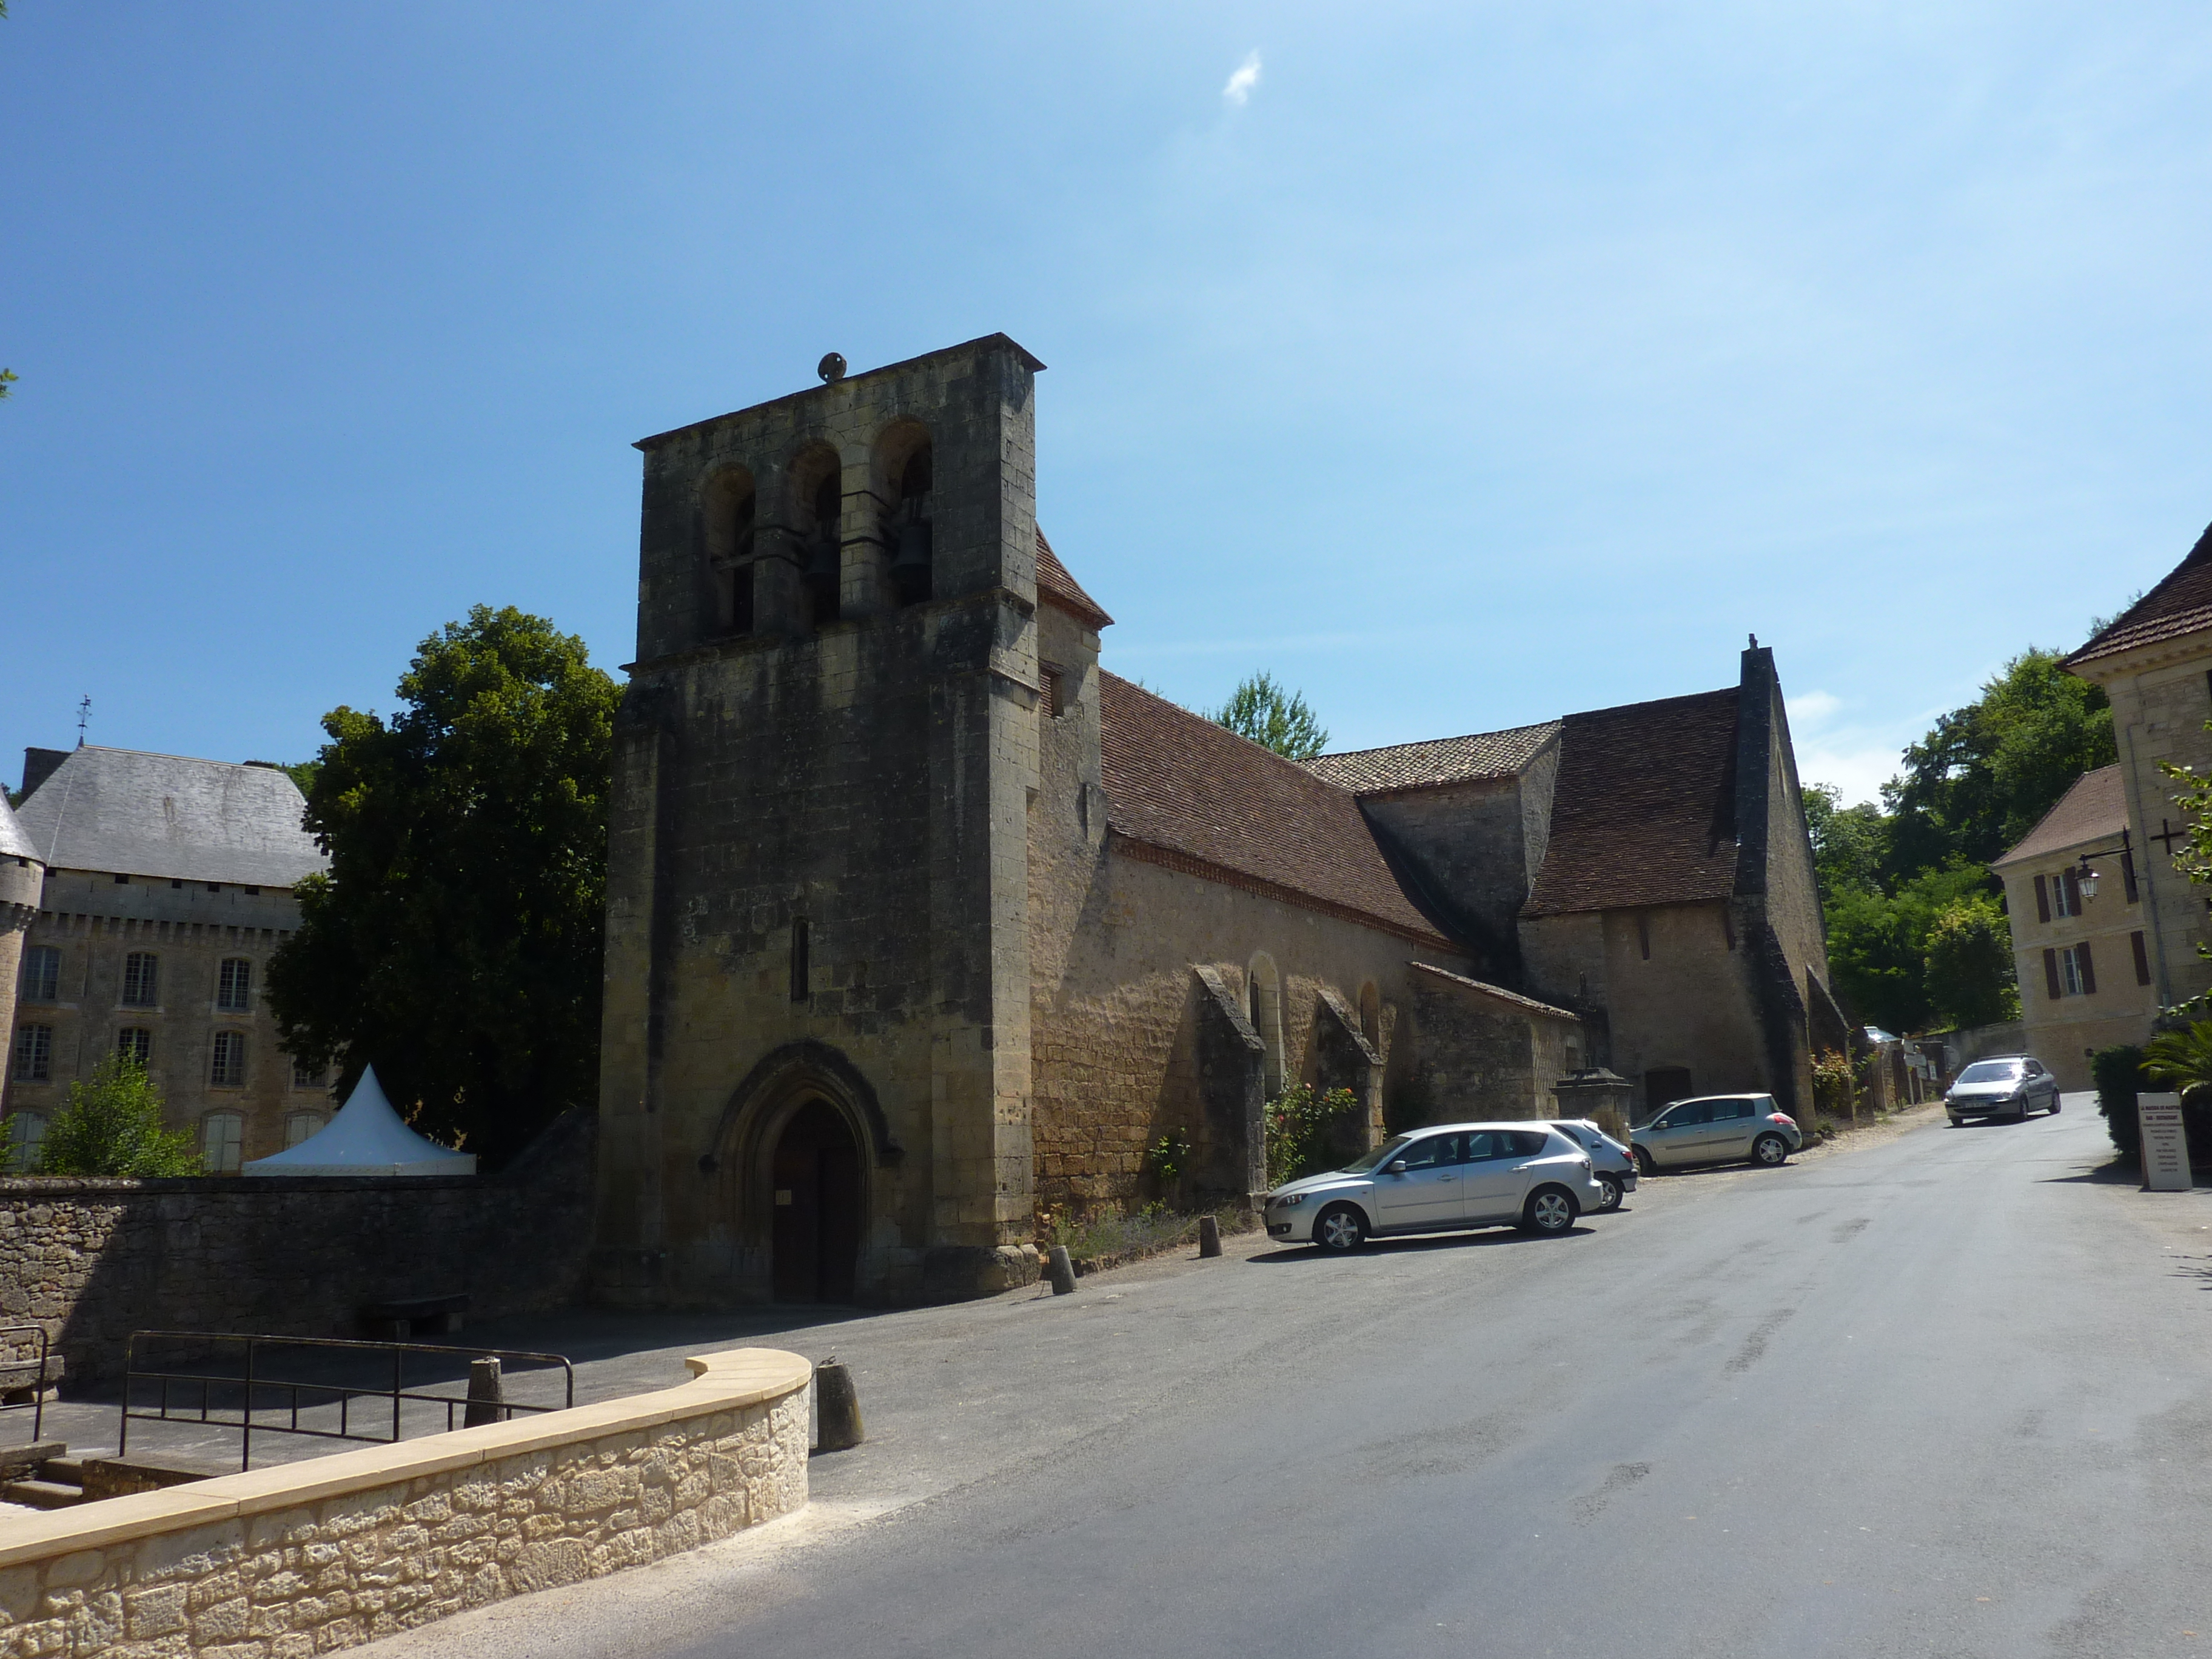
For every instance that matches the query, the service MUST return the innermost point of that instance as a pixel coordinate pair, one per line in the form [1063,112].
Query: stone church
[921,922]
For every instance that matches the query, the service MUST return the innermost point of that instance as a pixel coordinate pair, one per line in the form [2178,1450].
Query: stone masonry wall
[312,1558]
[93,1260]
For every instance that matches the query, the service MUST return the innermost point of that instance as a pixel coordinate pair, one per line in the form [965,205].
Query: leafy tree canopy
[1272,717]
[1850,844]
[1981,780]
[111,1125]
[455,940]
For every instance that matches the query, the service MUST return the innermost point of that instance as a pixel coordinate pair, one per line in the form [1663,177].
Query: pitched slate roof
[167,815]
[14,843]
[1435,761]
[1057,588]
[2181,604]
[2094,809]
[1644,808]
[1184,791]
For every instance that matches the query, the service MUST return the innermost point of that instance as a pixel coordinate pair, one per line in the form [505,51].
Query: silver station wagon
[1441,1179]
[1717,1129]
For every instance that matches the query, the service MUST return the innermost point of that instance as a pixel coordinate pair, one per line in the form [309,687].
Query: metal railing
[37,1406]
[243,1390]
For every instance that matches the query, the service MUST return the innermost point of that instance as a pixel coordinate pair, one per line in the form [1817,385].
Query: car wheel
[2054,1105]
[1342,1229]
[1645,1163]
[1609,1186]
[1550,1210]
[1769,1150]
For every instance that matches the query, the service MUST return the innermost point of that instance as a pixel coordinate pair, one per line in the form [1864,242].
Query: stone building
[2083,956]
[2154,663]
[164,886]
[920,922]
[1646,867]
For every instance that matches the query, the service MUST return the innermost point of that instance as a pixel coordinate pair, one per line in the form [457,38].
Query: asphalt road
[1946,1395]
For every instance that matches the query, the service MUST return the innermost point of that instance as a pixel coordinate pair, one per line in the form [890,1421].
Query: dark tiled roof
[1644,808]
[2181,604]
[2094,809]
[1057,588]
[1436,761]
[137,814]
[14,843]
[1226,808]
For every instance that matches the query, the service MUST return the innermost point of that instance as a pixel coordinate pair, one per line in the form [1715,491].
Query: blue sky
[1463,365]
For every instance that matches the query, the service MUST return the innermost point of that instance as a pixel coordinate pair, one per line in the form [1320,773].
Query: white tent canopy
[365,1139]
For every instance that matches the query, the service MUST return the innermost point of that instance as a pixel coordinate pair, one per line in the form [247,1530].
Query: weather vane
[83,717]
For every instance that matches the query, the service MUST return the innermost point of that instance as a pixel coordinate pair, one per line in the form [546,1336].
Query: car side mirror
[1397,1166]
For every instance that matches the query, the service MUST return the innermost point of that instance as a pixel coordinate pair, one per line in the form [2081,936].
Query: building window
[42,974]
[233,990]
[298,1126]
[800,986]
[26,1133]
[305,1076]
[227,1068]
[1048,679]
[141,979]
[912,543]
[222,1141]
[2065,894]
[1644,934]
[135,1043]
[2070,971]
[34,1053]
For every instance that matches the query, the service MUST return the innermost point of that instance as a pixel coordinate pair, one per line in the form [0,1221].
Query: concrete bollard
[836,1409]
[484,1396]
[1209,1237]
[1061,1271]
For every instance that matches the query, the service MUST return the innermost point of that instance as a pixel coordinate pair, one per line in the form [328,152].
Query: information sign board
[2165,1144]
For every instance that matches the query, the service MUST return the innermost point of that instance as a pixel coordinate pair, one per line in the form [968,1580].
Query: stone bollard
[1209,1237]
[836,1408]
[484,1396]
[1061,1271]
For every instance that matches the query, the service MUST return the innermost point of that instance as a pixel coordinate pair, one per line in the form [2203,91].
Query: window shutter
[2043,908]
[2142,959]
[2089,969]
[2051,967]
[2128,878]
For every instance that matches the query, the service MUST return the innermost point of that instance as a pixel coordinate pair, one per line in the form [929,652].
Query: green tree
[1890,967]
[455,940]
[1971,979]
[1987,773]
[111,1125]
[1273,718]
[1850,844]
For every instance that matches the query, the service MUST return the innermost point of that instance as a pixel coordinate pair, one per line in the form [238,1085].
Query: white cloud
[1239,89]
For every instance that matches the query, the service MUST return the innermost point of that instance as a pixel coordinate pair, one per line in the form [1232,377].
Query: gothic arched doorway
[817,1237]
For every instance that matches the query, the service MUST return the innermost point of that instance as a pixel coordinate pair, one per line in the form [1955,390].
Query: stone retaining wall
[93,1260]
[308,1558]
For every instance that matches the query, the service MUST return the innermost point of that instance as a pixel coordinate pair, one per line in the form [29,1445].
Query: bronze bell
[910,568]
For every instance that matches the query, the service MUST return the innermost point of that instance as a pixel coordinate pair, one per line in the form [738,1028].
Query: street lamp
[2086,877]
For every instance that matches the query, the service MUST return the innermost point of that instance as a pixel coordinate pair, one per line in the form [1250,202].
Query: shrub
[2117,1071]
[1297,1129]
[1168,1156]
[1835,1084]
[111,1126]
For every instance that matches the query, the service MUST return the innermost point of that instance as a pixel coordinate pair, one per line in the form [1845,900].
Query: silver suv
[2007,1085]
[1439,1180]
[1717,1129]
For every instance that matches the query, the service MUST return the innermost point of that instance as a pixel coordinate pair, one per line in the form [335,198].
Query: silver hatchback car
[1717,1129]
[1441,1179]
[2007,1085]
[1611,1163]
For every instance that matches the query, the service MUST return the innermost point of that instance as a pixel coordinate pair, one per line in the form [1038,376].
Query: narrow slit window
[799,964]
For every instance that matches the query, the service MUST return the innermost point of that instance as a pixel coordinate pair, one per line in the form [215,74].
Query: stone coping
[729,1381]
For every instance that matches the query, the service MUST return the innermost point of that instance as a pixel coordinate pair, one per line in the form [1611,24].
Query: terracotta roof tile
[1435,761]
[1057,588]
[2181,604]
[1224,807]
[2094,809]
[1644,810]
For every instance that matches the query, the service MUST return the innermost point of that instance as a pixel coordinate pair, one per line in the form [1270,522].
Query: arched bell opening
[729,506]
[817,492]
[913,538]
[817,1207]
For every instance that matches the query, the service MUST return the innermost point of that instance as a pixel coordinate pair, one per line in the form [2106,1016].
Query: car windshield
[1370,1161]
[1990,1071]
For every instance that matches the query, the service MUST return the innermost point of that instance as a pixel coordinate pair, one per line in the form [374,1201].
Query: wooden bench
[421,1315]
